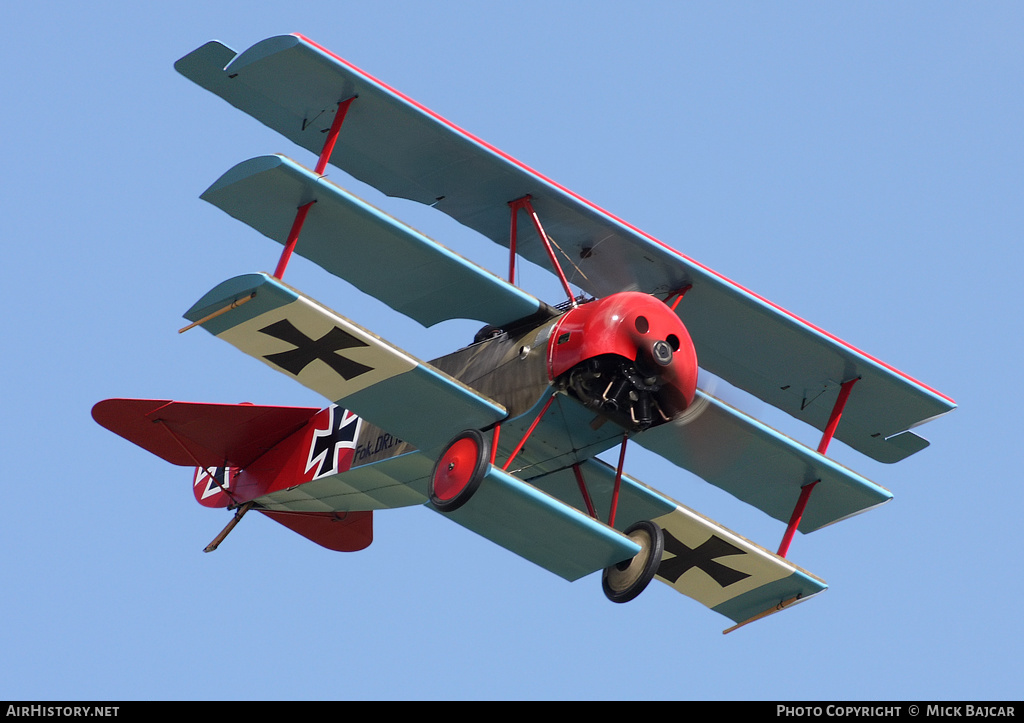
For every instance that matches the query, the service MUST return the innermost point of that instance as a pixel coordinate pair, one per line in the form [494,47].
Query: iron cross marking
[327,444]
[702,557]
[309,350]
[217,479]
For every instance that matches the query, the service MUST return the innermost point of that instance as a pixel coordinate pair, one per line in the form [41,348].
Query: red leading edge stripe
[615,218]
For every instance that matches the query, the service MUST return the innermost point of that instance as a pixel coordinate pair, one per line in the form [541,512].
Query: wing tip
[778,607]
[210,56]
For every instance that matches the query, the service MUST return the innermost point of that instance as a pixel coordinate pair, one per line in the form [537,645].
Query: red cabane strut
[524,204]
[522,442]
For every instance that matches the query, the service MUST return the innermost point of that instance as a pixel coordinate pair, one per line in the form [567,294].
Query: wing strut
[837,413]
[798,514]
[826,438]
[524,204]
[321,165]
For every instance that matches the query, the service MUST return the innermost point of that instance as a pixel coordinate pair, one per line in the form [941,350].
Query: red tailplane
[244,451]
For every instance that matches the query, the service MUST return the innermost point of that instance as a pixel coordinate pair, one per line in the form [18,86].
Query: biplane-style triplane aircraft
[502,436]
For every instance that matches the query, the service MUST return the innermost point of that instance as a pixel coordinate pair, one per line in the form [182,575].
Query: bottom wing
[395,482]
[322,350]
[703,559]
[540,528]
[728,573]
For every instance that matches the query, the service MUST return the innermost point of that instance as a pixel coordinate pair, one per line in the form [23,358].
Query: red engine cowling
[627,356]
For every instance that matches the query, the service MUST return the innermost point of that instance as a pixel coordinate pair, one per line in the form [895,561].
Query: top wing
[406,150]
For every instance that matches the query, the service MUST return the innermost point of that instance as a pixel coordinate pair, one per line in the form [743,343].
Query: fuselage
[587,376]
[625,359]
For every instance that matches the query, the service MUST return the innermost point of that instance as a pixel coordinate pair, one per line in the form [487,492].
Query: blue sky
[862,166]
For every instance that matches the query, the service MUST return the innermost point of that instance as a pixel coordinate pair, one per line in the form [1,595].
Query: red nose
[632,335]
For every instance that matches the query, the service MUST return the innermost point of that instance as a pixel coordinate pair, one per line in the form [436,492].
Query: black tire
[627,579]
[459,470]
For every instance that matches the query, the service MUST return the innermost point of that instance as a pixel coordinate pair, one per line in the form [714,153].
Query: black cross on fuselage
[327,443]
[309,350]
[702,557]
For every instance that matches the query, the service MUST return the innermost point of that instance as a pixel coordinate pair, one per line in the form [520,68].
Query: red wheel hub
[456,467]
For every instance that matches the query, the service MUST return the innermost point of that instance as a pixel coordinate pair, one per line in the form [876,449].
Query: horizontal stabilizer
[198,434]
[368,248]
[406,150]
[322,350]
[703,559]
[760,466]
[338,531]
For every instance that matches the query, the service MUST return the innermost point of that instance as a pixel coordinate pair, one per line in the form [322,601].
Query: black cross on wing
[703,557]
[308,350]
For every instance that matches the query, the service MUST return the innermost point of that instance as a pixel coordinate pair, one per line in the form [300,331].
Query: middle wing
[761,466]
[379,255]
[337,358]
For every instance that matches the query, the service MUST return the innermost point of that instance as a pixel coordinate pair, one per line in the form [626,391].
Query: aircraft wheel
[459,470]
[627,579]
